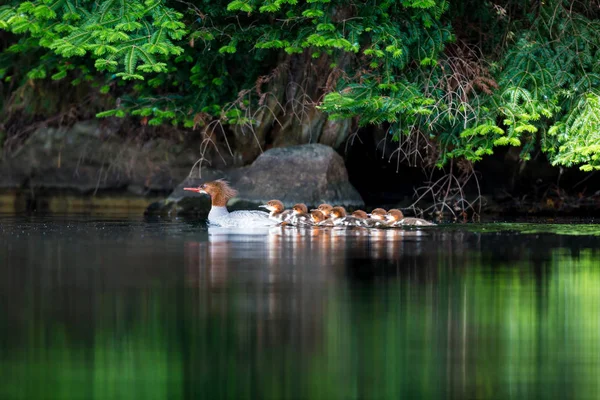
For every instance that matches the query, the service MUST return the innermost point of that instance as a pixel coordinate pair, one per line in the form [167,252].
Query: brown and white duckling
[339,218]
[366,221]
[378,216]
[300,215]
[278,212]
[360,214]
[325,209]
[395,217]
[318,218]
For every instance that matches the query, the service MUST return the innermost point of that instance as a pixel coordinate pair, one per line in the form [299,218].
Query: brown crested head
[394,215]
[325,209]
[378,214]
[360,214]
[338,212]
[219,191]
[317,216]
[300,208]
[274,205]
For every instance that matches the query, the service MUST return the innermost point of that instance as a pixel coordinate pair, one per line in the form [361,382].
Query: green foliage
[127,37]
[546,94]
[549,88]
[530,80]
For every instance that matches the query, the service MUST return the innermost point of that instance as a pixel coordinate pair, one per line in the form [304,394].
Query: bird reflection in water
[277,250]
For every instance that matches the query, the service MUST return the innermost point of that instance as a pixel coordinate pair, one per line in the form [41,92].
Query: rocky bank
[89,166]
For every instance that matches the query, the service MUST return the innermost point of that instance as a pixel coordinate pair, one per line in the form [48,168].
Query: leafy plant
[446,81]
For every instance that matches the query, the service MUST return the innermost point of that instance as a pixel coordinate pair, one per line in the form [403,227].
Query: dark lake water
[133,308]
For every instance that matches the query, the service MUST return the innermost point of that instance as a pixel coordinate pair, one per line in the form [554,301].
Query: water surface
[131,308]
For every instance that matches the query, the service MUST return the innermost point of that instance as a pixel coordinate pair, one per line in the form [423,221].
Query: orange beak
[197,190]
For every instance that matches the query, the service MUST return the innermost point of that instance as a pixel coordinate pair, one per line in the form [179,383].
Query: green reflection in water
[116,360]
[531,228]
[475,334]
[527,330]
[136,361]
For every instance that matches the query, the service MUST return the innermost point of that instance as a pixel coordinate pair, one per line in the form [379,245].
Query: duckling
[339,217]
[378,215]
[395,217]
[325,209]
[360,214]
[278,212]
[319,219]
[367,222]
[300,215]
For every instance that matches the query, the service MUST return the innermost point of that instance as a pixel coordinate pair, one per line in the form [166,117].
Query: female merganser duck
[339,218]
[278,211]
[300,217]
[318,218]
[395,217]
[220,192]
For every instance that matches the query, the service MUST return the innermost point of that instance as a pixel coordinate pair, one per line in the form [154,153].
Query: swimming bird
[360,214]
[278,212]
[367,221]
[325,209]
[394,217]
[318,218]
[220,193]
[300,215]
[379,216]
[339,218]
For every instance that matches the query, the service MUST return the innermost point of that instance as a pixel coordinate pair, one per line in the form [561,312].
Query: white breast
[243,219]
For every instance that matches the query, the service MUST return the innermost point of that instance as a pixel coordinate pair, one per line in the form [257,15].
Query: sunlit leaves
[388,63]
[312,13]
[128,26]
[326,27]
[111,113]
[550,89]
[272,44]
[238,5]
[578,134]
[230,49]
[104,64]
[419,3]
[482,130]
[122,34]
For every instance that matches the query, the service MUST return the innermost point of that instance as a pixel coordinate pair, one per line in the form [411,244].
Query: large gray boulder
[310,174]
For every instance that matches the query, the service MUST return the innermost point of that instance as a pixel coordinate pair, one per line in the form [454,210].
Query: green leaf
[108,65]
[127,76]
[501,141]
[238,5]
[37,73]
[227,49]
[326,27]
[514,141]
[312,13]
[59,75]
[107,113]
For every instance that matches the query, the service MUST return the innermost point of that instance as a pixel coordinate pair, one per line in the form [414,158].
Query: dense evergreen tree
[445,80]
